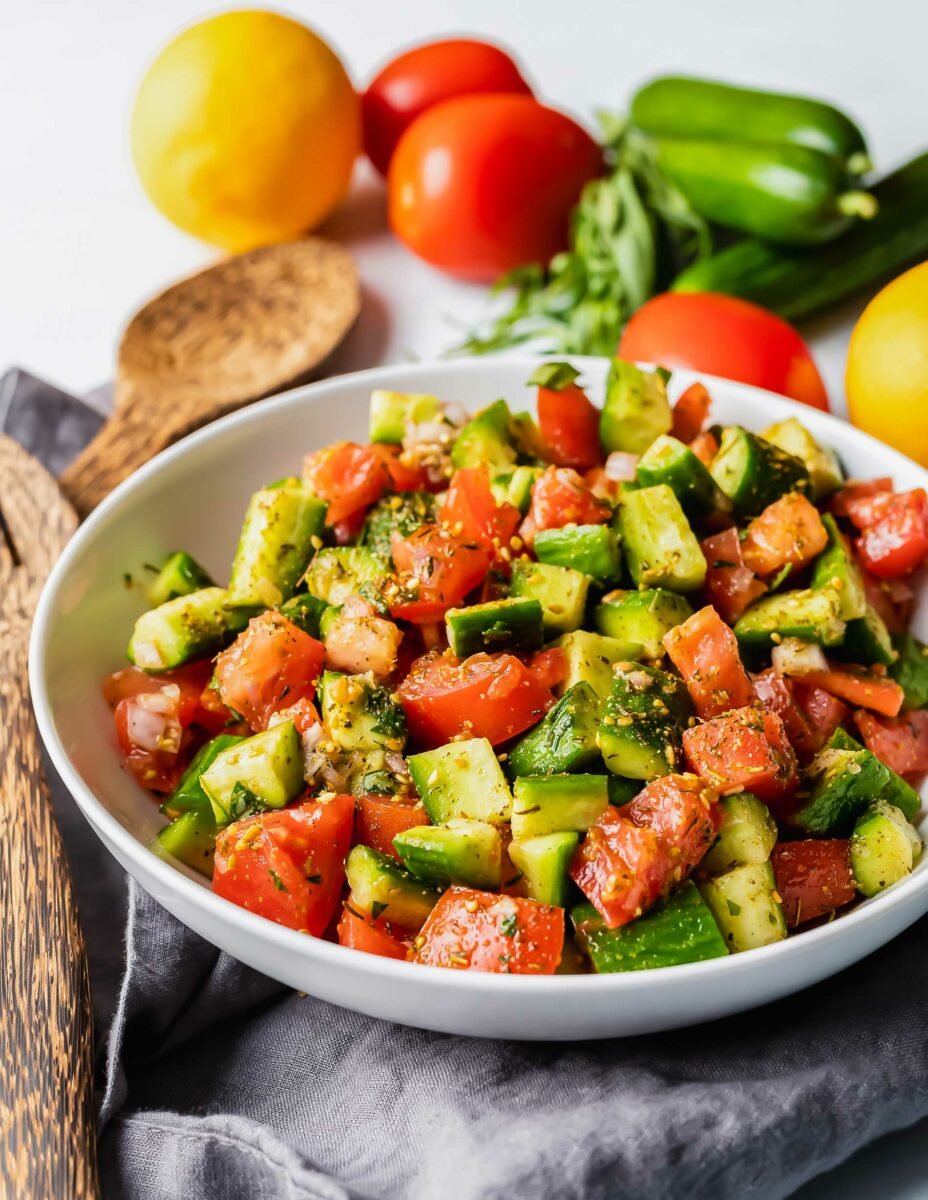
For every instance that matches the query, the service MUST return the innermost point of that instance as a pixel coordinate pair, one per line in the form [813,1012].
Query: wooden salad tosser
[240,330]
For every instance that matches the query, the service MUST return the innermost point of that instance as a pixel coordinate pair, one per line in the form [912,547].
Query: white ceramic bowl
[193,497]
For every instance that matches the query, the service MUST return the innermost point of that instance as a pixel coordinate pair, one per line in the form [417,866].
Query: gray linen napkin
[216,1082]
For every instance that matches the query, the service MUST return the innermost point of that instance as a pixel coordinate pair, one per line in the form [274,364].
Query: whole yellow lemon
[887,365]
[245,130]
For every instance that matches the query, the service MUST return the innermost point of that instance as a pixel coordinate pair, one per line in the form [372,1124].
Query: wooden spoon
[245,328]
[47,1145]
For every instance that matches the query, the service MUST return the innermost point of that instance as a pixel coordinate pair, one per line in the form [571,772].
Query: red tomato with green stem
[722,335]
[814,878]
[479,185]
[468,930]
[568,421]
[424,76]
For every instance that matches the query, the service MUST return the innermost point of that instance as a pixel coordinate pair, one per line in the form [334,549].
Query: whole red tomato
[724,336]
[481,184]
[424,77]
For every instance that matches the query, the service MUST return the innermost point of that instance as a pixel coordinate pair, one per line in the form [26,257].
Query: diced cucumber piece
[753,472]
[820,461]
[746,906]
[361,714]
[564,740]
[840,785]
[380,887]
[184,628]
[836,570]
[515,487]
[884,848]
[636,409]
[561,592]
[189,795]
[511,624]
[681,930]
[867,641]
[279,536]
[179,576]
[306,612]
[190,838]
[486,440]
[391,412]
[813,616]
[747,834]
[590,659]
[544,863]
[642,618]
[337,572]
[462,779]
[895,790]
[910,670]
[403,513]
[641,734]
[557,803]
[592,549]
[660,547]
[263,771]
[465,852]
[667,460]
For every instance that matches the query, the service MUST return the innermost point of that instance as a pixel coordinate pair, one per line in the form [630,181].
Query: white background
[80,247]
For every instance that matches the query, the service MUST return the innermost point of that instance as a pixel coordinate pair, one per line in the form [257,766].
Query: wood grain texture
[248,327]
[47,1146]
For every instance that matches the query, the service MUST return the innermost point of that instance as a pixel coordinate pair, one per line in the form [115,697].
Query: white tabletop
[81,247]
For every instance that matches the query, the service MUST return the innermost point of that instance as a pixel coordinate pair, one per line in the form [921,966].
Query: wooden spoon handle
[47,1143]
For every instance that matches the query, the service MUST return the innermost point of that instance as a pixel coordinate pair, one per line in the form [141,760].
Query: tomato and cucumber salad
[604,689]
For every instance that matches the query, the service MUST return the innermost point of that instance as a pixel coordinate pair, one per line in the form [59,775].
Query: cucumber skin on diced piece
[486,440]
[390,412]
[753,473]
[183,629]
[361,714]
[464,852]
[515,487]
[867,641]
[836,570]
[543,863]
[642,618]
[820,461]
[680,930]
[306,612]
[635,409]
[381,887]
[180,575]
[747,835]
[896,790]
[592,549]
[263,771]
[564,739]
[557,804]
[667,460]
[884,848]
[622,791]
[810,614]
[590,659]
[641,733]
[191,839]
[840,785]
[746,906]
[461,779]
[338,571]
[401,512]
[661,549]
[910,670]
[189,794]
[513,624]
[281,529]
[561,592]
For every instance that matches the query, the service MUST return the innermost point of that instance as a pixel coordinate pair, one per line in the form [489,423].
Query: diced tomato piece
[361,932]
[788,532]
[894,540]
[482,931]
[303,714]
[435,570]
[860,687]
[491,696]
[842,502]
[287,864]
[776,693]
[152,738]
[471,512]
[190,680]
[705,652]
[893,600]
[683,811]
[358,644]
[690,413]
[270,665]
[569,424]
[345,532]
[730,586]
[705,446]
[405,474]
[549,667]
[824,711]
[348,477]
[901,743]
[746,749]
[559,497]
[621,868]
[603,485]
[813,878]
[379,819]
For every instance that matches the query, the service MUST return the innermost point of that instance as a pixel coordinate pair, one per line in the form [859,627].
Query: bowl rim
[327,954]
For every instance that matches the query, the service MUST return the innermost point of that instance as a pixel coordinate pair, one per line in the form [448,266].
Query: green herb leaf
[278,882]
[377,907]
[509,925]
[243,800]
[733,908]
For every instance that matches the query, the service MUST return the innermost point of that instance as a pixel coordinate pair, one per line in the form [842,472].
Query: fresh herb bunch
[631,233]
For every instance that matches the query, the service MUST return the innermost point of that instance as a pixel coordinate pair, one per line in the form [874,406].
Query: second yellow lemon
[887,366]
[245,130]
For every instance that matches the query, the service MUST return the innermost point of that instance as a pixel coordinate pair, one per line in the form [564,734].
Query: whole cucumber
[682,107]
[786,194]
[797,284]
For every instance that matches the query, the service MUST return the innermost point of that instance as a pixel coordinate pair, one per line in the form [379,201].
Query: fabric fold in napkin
[216,1082]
